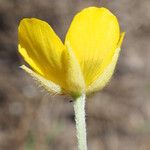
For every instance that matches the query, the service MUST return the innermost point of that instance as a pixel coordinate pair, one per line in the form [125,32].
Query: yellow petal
[73,75]
[48,85]
[121,39]
[93,34]
[108,70]
[41,49]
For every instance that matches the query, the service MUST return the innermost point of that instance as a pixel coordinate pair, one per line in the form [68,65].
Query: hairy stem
[79,109]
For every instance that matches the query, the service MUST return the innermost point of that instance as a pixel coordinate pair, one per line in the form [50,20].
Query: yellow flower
[86,60]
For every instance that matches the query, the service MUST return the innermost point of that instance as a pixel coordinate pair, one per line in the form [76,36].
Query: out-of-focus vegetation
[118,118]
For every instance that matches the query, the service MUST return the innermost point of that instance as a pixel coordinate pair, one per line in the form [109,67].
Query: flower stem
[79,109]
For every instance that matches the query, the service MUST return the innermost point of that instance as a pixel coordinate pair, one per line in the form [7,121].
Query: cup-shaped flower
[86,60]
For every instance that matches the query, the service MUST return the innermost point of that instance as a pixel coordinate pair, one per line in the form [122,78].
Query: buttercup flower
[86,60]
[80,66]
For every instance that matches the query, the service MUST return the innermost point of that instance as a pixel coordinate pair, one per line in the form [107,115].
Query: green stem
[79,109]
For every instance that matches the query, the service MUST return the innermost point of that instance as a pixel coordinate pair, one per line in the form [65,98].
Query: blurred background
[118,118]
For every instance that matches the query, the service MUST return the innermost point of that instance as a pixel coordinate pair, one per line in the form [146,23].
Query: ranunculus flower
[82,65]
[86,60]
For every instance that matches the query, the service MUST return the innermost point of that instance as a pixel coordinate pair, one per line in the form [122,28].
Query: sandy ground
[118,118]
